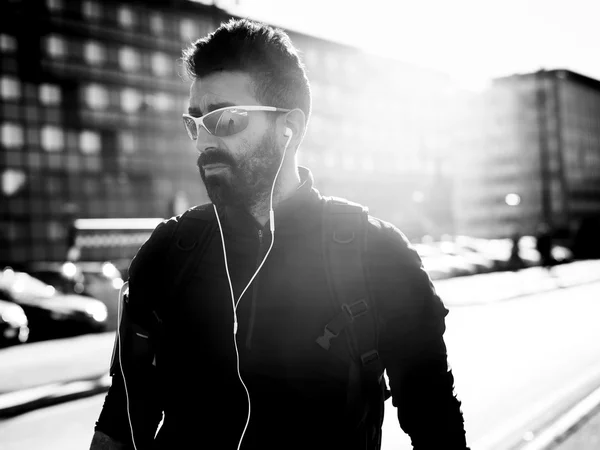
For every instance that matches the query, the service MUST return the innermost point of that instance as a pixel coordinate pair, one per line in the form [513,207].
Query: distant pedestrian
[544,246]
[516,262]
[70,212]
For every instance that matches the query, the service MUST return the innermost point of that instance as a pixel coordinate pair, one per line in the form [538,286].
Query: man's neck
[287,184]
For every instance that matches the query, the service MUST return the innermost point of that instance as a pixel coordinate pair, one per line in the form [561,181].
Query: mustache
[215,157]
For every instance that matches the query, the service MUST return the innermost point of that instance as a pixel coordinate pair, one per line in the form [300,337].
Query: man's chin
[218,189]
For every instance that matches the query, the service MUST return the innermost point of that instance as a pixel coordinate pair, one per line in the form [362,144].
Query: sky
[471,40]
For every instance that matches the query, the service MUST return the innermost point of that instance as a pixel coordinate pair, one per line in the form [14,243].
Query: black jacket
[297,389]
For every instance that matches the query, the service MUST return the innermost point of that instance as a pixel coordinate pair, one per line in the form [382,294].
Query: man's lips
[214,166]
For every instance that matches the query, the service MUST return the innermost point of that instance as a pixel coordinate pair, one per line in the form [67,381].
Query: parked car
[480,262]
[51,313]
[560,254]
[99,280]
[440,265]
[14,327]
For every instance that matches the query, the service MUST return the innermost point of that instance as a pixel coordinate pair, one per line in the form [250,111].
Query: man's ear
[295,120]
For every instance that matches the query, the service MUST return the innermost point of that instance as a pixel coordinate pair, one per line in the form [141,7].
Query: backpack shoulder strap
[189,240]
[344,247]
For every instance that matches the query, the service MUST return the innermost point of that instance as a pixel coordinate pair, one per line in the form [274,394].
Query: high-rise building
[91,96]
[531,155]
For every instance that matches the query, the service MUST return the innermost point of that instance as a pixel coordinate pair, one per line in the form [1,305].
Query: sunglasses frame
[199,121]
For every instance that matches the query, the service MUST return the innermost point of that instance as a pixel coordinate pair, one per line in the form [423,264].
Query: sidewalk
[585,435]
[578,428]
[498,286]
[45,373]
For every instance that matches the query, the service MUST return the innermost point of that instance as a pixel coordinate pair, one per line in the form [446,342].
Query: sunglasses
[223,122]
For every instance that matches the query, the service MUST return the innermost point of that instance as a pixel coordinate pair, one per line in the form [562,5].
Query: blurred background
[92,94]
[473,126]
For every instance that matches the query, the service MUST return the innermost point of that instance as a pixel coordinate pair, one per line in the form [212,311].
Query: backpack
[344,246]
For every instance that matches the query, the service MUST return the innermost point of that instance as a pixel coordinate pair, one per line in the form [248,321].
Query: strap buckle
[369,357]
[355,309]
[325,340]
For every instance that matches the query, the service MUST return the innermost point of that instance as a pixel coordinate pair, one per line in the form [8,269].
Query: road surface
[514,362]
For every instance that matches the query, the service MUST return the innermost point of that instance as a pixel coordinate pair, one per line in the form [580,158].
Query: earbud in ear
[288,132]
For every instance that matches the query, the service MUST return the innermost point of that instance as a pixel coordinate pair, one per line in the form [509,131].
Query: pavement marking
[510,428]
[565,423]
[55,390]
[25,396]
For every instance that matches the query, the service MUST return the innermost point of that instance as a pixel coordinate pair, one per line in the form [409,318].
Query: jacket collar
[295,214]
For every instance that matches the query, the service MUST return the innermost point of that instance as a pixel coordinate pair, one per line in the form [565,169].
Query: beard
[248,180]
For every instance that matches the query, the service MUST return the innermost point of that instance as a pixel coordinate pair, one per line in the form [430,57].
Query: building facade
[91,99]
[532,156]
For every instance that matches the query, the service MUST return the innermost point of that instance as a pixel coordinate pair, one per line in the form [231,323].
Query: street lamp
[512,199]
[418,197]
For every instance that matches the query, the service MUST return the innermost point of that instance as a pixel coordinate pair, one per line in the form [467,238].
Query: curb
[520,294]
[566,424]
[20,402]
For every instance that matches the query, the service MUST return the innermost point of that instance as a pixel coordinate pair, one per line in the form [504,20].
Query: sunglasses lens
[191,128]
[227,122]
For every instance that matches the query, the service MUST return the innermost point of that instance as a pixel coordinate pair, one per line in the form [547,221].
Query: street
[514,362]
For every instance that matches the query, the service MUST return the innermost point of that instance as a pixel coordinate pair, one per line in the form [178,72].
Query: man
[240,358]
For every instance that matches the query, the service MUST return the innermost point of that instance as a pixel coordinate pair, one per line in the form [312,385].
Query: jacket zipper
[254,293]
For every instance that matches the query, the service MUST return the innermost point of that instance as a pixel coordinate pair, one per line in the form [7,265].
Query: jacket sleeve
[412,347]
[132,401]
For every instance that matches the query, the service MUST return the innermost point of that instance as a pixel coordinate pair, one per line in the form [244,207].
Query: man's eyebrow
[197,112]
[193,111]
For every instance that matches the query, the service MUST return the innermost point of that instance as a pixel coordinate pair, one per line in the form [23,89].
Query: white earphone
[289,134]
[124,289]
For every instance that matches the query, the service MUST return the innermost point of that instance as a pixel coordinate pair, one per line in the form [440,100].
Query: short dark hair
[263,52]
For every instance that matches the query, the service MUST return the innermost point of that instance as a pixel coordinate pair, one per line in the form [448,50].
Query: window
[56,46]
[126,17]
[52,139]
[10,88]
[96,96]
[94,53]
[131,100]
[12,181]
[188,30]
[127,142]
[54,5]
[129,59]
[91,10]
[316,90]
[348,162]
[161,64]
[89,142]
[331,62]
[50,94]
[8,43]
[160,102]
[11,135]
[157,24]
[349,65]
[333,94]
[311,58]
[330,159]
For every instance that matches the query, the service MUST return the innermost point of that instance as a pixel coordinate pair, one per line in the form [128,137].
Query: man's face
[237,170]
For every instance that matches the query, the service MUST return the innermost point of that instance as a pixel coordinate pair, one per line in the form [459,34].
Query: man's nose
[205,140]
